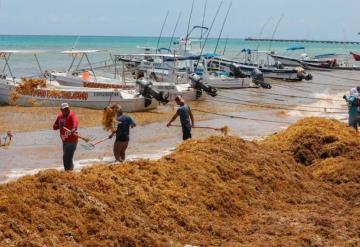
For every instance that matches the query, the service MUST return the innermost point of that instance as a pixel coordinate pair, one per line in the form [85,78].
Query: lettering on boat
[54,94]
[106,85]
[106,94]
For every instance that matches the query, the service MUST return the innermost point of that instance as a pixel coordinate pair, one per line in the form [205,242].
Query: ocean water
[49,49]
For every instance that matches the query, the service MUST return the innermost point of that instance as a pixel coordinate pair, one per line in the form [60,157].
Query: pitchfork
[87,138]
[91,146]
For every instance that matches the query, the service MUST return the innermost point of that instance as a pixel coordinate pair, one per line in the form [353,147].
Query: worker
[67,122]
[122,133]
[352,101]
[186,115]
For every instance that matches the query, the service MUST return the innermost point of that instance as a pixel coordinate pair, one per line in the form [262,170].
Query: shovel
[84,138]
[90,146]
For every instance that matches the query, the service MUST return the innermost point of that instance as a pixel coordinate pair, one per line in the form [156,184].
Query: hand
[111,136]
[168,125]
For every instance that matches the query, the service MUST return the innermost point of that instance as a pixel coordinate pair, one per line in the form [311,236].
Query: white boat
[88,79]
[170,89]
[94,98]
[14,91]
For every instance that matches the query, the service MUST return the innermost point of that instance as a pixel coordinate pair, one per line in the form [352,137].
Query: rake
[87,138]
[224,130]
[90,146]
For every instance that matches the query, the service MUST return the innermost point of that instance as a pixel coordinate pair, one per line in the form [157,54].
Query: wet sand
[255,113]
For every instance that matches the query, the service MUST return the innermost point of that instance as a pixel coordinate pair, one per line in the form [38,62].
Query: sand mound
[222,191]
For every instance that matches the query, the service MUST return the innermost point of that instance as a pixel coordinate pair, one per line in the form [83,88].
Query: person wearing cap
[352,101]
[186,115]
[122,133]
[67,122]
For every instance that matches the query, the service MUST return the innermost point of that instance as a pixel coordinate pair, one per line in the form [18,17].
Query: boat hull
[94,99]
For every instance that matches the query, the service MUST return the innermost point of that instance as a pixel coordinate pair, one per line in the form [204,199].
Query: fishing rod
[222,28]
[173,34]
[203,22]
[188,28]
[208,34]
[161,32]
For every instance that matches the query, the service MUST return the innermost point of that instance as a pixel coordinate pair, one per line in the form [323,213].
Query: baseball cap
[64,106]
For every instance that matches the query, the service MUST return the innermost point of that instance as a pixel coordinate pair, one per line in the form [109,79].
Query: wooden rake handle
[81,137]
[198,127]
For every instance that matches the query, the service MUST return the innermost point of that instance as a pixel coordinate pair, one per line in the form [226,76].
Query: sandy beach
[256,113]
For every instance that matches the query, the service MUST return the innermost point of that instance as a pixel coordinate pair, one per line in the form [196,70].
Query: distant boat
[328,66]
[355,56]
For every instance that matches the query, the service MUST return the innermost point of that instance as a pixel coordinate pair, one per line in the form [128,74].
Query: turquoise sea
[50,47]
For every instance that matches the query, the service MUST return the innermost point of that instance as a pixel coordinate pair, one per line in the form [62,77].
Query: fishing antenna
[162,29]
[207,36]
[75,43]
[222,28]
[173,34]
[226,42]
[276,27]
[188,28]
[260,36]
[203,22]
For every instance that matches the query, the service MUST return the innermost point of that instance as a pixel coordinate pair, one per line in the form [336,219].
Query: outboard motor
[149,93]
[279,65]
[301,74]
[200,87]
[308,77]
[258,78]
[236,71]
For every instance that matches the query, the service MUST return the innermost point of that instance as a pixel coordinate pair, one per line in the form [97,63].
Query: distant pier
[306,41]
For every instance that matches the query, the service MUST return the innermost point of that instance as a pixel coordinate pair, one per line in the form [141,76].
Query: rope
[245,118]
[274,107]
[282,95]
[267,103]
[326,74]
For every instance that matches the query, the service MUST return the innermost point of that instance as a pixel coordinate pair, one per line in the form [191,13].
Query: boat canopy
[325,55]
[296,47]
[21,51]
[248,51]
[79,51]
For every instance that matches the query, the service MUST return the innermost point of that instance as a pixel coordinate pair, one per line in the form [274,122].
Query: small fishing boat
[232,66]
[28,93]
[328,66]
[41,92]
[289,61]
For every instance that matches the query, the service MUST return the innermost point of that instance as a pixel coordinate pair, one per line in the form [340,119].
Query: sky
[301,19]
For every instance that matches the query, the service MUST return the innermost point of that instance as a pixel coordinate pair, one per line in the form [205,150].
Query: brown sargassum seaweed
[299,187]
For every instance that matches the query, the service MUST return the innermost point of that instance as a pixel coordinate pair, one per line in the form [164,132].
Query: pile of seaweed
[222,191]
